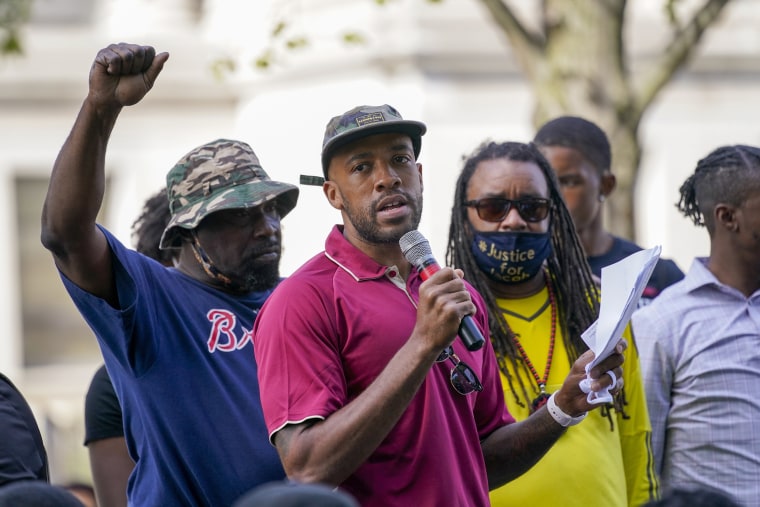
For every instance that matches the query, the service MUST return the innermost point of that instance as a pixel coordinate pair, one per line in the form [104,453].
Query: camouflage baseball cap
[365,121]
[222,174]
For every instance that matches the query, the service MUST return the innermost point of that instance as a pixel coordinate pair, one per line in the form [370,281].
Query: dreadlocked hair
[576,291]
[728,174]
[579,134]
[150,225]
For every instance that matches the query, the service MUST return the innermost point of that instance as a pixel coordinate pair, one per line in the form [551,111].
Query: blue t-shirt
[181,360]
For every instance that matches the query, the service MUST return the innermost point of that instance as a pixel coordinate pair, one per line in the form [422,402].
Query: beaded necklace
[542,397]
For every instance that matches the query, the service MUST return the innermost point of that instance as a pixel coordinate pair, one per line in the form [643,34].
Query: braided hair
[728,174]
[150,225]
[569,273]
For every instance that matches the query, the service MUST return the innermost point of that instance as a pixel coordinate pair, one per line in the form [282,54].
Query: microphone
[417,251]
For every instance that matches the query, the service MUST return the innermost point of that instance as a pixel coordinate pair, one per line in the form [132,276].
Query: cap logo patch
[370,118]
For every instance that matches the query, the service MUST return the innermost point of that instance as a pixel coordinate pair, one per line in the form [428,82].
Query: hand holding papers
[622,286]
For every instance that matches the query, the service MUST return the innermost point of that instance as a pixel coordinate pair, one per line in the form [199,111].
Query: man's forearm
[330,451]
[77,181]
[512,450]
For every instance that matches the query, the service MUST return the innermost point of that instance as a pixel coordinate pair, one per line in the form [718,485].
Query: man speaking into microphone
[363,382]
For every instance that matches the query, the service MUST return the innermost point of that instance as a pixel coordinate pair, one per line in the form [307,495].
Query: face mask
[511,257]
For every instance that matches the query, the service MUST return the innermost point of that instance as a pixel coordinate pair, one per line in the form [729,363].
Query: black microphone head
[415,247]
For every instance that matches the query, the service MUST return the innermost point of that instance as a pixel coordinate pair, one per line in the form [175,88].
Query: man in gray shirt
[698,340]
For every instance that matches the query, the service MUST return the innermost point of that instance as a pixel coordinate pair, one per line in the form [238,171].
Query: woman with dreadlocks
[514,238]
[699,338]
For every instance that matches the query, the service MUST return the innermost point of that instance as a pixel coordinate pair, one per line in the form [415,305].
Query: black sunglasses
[495,209]
[463,378]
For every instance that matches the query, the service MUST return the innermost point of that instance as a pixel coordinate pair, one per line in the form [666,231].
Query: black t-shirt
[665,273]
[102,412]
[22,452]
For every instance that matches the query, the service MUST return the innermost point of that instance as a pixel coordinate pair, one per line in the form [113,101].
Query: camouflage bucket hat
[223,174]
[365,121]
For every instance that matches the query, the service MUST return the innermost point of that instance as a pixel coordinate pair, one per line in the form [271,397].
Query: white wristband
[562,418]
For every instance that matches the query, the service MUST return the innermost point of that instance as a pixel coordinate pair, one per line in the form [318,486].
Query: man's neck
[733,270]
[386,254]
[595,241]
[518,290]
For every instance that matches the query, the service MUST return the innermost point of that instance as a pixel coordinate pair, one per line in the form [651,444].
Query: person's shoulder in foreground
[694,497]
[22,451]
[32,493]
[83,492]
[294,494]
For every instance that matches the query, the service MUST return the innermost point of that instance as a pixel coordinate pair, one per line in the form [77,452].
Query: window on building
[53,331]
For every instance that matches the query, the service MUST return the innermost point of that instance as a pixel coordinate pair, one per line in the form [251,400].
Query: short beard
[365,222]
[249,277]
[260,278]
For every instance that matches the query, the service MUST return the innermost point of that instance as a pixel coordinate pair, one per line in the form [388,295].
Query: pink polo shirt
[323,337]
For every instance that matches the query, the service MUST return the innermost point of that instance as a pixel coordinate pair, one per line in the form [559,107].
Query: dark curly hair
[150,225]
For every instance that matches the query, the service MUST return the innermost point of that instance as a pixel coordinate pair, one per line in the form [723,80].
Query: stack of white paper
[622,286]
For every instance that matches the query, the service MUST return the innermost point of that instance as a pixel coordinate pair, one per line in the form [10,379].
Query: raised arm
[120,76]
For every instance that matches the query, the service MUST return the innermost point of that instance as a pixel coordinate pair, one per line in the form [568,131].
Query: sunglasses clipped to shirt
[496,209]
[463,378]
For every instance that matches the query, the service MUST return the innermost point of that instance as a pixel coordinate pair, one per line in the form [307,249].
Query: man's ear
[419,171]
[607,183]
[725,217]
[333,195]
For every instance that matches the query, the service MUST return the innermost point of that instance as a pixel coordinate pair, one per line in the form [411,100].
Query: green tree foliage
[575,58]
[13,14]
[577,62]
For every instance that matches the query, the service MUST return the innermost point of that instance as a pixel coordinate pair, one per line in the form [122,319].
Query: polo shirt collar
[349,258]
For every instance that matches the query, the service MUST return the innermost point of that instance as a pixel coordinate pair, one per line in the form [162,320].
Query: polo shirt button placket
[393,275]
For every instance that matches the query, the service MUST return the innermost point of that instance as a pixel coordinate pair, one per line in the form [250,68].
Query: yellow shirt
[590,465]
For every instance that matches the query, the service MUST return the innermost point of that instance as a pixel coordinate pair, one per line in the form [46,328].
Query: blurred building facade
[443,64]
